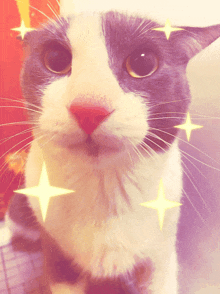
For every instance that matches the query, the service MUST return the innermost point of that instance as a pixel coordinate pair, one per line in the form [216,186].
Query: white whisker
[58,3]
[20,107]
[191,181]
[18,134]
[144,145]
[23,102]
[15,146]
[161,103]
[138,153]
[194,148]
[154,135]
[201,116]
[55,14]
[191,162]
[36,10]
[199,214]
[22,148]
[19,123]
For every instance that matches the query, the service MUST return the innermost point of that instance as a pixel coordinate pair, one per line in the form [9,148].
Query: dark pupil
[142,63]
[58,59]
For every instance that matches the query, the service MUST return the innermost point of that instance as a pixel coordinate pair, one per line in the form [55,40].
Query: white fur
[96,225]
[18,230]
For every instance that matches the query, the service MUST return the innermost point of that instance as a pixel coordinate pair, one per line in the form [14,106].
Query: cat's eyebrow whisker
[36,10]
[55,13]
[143,31]
[22,102]
[12,106]
[193,147]
[139,27]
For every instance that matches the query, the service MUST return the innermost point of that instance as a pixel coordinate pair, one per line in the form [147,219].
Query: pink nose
[89,117]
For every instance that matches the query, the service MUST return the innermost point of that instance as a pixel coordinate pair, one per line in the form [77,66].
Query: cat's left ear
[195,39]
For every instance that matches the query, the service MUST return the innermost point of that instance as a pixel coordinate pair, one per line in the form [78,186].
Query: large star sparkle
[167,29]
[23,29]
[188,126]
[161,204]
[44,191]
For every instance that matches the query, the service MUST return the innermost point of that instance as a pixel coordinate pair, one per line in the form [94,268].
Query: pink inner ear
[89,117]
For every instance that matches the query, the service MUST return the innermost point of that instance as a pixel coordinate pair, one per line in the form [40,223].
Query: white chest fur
[96,224]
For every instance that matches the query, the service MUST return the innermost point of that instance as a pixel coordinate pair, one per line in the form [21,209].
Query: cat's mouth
[94,149]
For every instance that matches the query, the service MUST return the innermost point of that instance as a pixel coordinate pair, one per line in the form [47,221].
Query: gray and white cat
[99,89]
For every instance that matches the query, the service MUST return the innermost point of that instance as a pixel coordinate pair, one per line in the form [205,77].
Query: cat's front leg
[63,288]
[165,276]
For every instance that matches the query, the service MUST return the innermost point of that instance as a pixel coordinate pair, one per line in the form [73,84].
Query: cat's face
[111,71]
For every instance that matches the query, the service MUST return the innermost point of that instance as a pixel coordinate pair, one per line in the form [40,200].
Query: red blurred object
[11,57]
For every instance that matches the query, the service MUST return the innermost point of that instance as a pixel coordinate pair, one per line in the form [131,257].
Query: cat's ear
[195,39]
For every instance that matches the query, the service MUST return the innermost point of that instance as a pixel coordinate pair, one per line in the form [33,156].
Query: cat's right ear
[195,39]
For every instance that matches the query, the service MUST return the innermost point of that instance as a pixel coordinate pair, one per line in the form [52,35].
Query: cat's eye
[141,63]
[58,59]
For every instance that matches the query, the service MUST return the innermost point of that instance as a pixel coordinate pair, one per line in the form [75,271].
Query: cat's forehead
[84,29]
[120,30]
[94,24]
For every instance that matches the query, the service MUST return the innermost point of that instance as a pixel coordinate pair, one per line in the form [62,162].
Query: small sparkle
[23,29]
[44,191]
[161,204]
[167,29]
[188,126]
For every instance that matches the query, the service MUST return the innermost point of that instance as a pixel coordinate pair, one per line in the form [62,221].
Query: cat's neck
[105,192]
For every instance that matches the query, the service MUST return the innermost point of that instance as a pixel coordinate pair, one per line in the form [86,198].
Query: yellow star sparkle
[44,191]
[161,204]
[188,126]
[23,29]
[167,29]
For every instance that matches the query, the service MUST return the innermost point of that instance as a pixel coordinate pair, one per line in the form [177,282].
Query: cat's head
[109,82]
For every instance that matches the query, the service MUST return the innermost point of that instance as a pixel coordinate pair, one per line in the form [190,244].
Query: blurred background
[199,229]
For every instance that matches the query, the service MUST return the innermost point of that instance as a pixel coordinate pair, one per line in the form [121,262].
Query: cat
[99,89]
